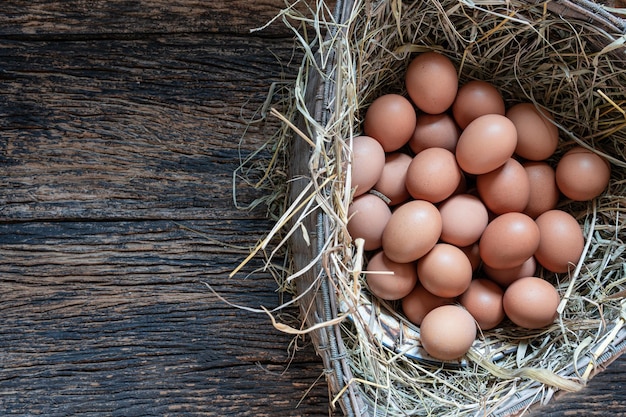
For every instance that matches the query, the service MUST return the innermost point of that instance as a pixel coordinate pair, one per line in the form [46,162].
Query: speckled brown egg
[561,243]
[420,302]
[464,218]
[474,99]
[537,136]
[509,240]
[531,302]
[544,194]
[447,332]
[368,216]
[390,280]
[582,175]
[390,119]
[445,271]
[483,300]
[434,131]
[368,160]
[432,82]
[392,181]
[412,231]
[486,144]
[505,189]
[433,175]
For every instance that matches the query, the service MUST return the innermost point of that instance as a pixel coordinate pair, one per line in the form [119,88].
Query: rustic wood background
[121,125]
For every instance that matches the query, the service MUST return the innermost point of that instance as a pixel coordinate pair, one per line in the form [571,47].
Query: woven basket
[347,323]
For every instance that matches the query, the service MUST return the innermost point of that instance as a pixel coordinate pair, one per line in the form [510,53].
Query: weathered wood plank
[145,362]
[136,17]
[113,318]
[142,129]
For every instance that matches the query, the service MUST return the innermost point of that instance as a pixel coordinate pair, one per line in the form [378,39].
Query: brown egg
[505,277]
[447,332]
[505,189]
[420,302]
[473,254]
[368,216]
[445,271]
[544,194]
[537,136]
[509,240]
[486,144]
[475,99]
[392,181]
[464,218]
[390,119]
[531,302]
[368,160]
[483,300]
[433,175]
[562,241]
[582,175]
[432,82]
[412,231]
[390,286]
[434,131]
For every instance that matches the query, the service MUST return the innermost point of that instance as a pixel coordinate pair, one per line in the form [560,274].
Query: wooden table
[121,126]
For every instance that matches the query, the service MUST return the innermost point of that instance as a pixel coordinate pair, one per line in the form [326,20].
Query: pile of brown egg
[456,196]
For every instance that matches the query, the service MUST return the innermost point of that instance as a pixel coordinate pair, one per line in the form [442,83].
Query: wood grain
[113,318]
[97,19]
[121,124]
[114,122]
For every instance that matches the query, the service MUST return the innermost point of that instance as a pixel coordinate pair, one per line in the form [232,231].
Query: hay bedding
[568,57]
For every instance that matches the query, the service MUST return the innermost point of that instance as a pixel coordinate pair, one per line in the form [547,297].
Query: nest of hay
[568,57]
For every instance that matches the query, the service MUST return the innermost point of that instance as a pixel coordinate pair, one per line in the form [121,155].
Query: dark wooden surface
[120,127]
